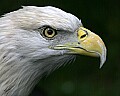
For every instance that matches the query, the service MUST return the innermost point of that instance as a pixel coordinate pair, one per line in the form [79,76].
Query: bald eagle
[36,40]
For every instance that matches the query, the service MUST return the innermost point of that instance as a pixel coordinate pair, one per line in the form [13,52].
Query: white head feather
[24,53]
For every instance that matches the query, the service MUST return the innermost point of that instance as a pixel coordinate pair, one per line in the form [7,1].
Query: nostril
[78,42]
[82,36]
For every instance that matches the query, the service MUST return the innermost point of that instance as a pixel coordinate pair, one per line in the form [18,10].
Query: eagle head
[36,40]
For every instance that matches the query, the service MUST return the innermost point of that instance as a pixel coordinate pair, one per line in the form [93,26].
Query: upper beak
[88,44]
[91,45]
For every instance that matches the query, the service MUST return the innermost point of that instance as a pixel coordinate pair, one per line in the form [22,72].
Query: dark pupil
[50,32]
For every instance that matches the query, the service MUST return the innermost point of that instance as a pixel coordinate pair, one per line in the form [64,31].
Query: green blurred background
[83,77]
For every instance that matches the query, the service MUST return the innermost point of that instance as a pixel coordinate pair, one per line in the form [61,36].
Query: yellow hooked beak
[88,44]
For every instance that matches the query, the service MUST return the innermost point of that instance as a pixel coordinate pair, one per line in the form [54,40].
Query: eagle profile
[36,40]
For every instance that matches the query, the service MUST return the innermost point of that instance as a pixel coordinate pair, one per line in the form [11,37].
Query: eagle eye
[48,32]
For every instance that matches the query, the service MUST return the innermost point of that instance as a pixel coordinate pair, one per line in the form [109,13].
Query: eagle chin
[36,40]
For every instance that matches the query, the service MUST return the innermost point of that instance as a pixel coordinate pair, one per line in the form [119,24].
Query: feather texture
[24,53]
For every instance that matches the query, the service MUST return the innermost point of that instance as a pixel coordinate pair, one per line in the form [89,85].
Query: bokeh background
[83,77]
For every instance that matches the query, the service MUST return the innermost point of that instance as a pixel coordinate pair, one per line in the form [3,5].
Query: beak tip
[103,58]
[101,64]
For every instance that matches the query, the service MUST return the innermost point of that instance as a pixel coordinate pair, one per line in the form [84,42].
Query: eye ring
[49,32]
